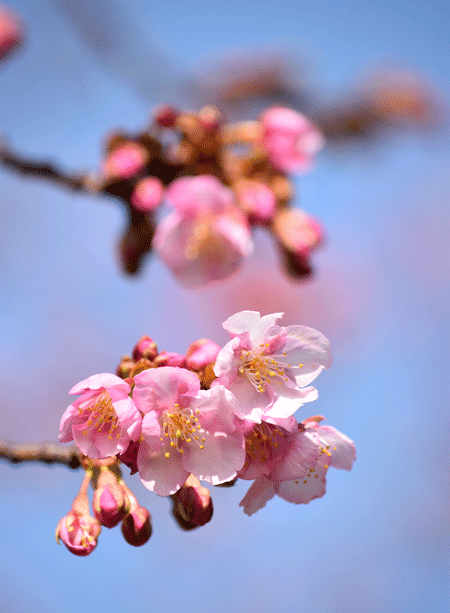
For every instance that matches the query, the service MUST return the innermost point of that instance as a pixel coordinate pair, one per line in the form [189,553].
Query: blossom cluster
[219,181]
[214,415]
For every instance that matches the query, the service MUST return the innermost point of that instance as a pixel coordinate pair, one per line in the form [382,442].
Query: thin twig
[42,170]
[47,453]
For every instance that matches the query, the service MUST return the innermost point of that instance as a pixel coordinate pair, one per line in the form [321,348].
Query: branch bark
[47,453]
[43,170]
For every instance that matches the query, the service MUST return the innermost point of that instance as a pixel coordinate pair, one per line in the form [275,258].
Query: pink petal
[259,493]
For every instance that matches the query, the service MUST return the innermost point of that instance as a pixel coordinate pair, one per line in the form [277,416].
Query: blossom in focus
[278,450]
[104,419]
[125,161]
[78,532]
[185,430]
[332,449]
[147,194]
[266,367]
[290,139]
[206,238]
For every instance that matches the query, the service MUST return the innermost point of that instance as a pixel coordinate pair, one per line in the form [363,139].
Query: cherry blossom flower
[290,139]
[257,200]
[278,450]
[206,238]
[199,195]
[185,430]
[104,420]
[332,449]
[267,367]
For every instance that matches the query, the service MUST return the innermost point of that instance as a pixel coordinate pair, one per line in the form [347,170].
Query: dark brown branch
[47,453]
[42,170]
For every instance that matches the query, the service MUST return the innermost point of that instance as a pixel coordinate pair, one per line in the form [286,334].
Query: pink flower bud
[78,532]
[11,32]
[137,526]
[210,118]
[297,232]
[168,358]
[201,353]
[110,502]
[145,348]
[147,194]
[290,139]
[192,504]
[165,116]
[125,161]
[257,200]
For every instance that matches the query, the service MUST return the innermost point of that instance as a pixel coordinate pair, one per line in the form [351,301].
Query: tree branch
[47,453]
[43,170]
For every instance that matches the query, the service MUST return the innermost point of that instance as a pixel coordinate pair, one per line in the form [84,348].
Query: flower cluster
[214,415]
[219,181]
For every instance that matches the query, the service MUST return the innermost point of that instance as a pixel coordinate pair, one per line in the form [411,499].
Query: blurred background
[378,541]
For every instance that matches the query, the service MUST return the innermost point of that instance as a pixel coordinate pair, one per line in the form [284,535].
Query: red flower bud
[165,116]
[192,505]
[145,348]
[137,526]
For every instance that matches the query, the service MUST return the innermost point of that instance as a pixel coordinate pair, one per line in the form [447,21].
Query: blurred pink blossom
[104,420]
[290,139]
[257,200]
[201,194]
[203,248]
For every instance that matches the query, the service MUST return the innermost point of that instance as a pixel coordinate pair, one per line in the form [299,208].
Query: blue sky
[378,541]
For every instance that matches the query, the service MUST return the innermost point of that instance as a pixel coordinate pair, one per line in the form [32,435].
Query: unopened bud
[11,32]
[257,200]
[145,348]
[126,161]
[297,232]
[78,532]
[201,353]
[137,526]
[147,195]
[125,367]
[165,116]
[192,505]
[210,118]
[167,358]
[110,502]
